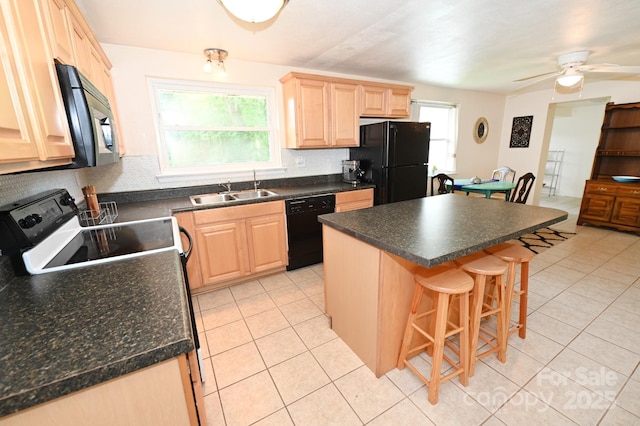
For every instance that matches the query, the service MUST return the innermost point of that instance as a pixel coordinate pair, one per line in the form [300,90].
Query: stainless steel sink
[199,200]
[258,193]
[205,199]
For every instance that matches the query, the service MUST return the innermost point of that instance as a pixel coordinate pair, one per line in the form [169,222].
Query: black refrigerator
[394,157]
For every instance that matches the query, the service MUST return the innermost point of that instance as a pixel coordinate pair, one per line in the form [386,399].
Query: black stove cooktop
[112,241]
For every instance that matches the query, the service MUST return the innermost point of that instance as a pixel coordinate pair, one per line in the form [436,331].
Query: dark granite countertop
[429,231]
[134,208]
[65,331]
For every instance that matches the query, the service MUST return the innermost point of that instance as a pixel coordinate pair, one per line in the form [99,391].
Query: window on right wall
[444,133]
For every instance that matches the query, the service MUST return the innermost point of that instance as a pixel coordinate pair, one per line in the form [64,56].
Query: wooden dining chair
[442,179]
[521,192]
[503,174]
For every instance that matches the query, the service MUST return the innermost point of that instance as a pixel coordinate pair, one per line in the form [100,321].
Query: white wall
[472,159]
[537,104]
[576,130]
[139,168]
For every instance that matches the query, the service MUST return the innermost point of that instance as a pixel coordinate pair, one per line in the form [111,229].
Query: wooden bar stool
[514,254]
[482,266]
[441,282]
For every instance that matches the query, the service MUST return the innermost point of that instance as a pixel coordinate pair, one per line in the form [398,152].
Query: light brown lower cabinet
[159,395]
[234,243]
[354,200]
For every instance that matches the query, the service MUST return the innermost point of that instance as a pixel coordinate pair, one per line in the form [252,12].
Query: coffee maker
[351,171]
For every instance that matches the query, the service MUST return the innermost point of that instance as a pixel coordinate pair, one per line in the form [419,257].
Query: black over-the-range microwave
[90,119]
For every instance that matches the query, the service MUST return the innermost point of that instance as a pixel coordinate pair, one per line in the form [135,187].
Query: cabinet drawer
[351,196]
[354,200]
[224,214]
[628,191]
[600,188]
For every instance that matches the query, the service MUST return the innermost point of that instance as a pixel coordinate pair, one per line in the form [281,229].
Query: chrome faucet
[226,186]
[256,183]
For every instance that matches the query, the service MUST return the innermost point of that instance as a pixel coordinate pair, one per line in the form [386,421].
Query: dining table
[486,187]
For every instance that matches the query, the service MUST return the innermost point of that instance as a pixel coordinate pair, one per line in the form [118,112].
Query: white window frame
[452,136]
[227,170]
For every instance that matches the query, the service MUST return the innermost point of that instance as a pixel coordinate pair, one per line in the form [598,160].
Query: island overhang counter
[370,256]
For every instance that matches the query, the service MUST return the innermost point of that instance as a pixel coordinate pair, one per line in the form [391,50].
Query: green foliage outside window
[202,128]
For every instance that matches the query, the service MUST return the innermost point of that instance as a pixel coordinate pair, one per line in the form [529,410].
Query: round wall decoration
[481,130]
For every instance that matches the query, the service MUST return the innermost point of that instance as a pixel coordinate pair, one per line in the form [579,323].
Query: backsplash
[19,186]
[139,173]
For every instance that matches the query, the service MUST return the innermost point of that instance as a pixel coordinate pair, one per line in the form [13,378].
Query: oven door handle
[187,252]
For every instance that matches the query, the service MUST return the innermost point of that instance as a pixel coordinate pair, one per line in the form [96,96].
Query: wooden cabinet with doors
[597,202]
[354,200]
[58,19]
[92,62]
[319,112]
[324,112]
[161,394]
[33,122]
[385,101]
[234,243]
[81,47]
[17,142]
[34,133]
[626,208]
[606,202]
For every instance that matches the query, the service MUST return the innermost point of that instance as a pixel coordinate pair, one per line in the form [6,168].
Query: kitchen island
[370,256]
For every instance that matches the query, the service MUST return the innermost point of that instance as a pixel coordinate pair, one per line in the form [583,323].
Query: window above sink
[209,128]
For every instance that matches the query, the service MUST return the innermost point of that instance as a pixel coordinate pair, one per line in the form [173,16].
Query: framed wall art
[521,132]
[481,130]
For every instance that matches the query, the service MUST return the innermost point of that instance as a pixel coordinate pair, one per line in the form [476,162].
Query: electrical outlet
[300,162]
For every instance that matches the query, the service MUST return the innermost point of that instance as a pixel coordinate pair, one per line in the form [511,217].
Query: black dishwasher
[304,232]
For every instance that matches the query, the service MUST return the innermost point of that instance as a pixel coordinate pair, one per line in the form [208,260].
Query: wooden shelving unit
[606,202]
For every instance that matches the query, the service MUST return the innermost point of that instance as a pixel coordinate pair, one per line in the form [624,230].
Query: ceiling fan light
[254,10]
[569,80]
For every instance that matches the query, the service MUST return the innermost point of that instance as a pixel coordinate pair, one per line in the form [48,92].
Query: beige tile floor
[271,359]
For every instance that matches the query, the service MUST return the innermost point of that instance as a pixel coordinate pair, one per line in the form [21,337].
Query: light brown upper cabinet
[34,133]
[81,47]
[58,18]
[320,113]
[16,139]
[33,114]
[324,112]
[385,101]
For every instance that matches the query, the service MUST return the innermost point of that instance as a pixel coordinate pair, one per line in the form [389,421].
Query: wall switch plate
[300,162]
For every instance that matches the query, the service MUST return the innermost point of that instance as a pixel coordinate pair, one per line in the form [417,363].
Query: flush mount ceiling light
[254,11]
[570,78]
[214,54]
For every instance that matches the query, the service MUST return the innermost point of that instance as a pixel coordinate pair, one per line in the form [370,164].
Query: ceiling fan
[572,66]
